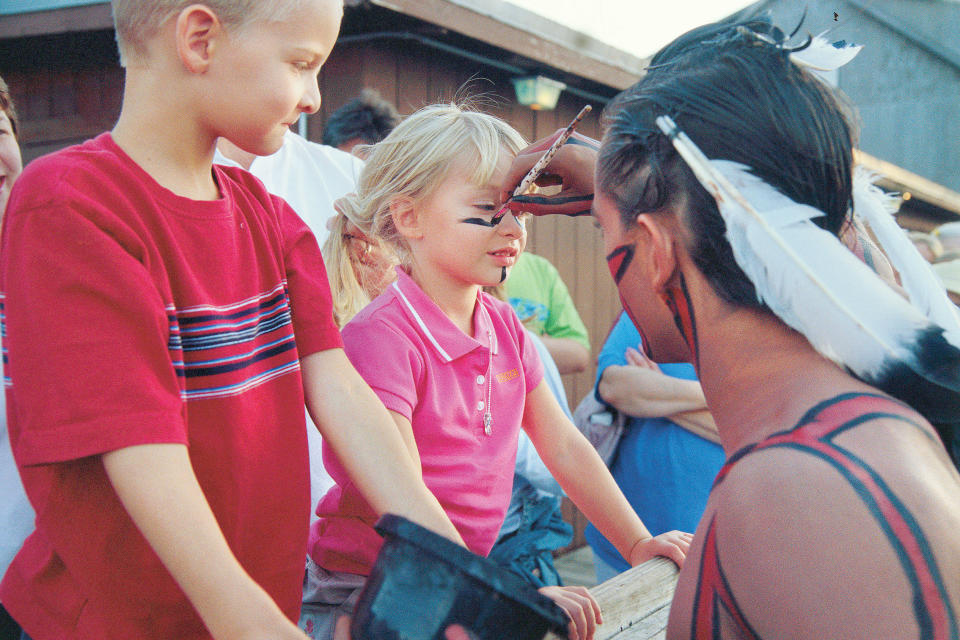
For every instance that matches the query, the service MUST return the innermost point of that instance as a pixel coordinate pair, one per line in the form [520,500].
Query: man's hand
[583,610]
[573,165]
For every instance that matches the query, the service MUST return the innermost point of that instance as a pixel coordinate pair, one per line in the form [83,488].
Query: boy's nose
[310,102]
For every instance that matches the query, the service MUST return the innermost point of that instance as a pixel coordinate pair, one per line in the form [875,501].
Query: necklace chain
[488,415]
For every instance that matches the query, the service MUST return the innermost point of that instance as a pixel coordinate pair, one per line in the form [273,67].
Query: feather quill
[812,282]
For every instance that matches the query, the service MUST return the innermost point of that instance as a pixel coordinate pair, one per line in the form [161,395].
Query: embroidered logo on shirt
[506,376]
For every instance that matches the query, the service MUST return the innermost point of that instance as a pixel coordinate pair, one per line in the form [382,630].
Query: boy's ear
[658,250]
[197,29]
[405,218]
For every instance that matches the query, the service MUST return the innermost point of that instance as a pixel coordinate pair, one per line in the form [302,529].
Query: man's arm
[158,488]
[646,393]
[640,389]
[368,442]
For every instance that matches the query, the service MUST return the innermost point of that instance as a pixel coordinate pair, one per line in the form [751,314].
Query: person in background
[948,234]
[359,268]
[543,303]
[669,453]
[16,514]
[309,176]
[363,121]
[949,273]
[927,244]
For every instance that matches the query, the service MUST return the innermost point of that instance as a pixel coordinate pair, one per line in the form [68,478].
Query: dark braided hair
[733,89]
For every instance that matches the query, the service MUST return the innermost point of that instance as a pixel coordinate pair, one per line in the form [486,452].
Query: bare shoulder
[848,531]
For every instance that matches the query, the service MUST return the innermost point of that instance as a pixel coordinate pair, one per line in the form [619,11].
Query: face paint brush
[542,163]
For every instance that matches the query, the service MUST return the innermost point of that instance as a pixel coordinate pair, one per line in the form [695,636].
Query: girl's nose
[512,226]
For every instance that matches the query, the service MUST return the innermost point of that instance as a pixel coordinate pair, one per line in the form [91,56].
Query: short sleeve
[387,361]
[310,299]
[87,337]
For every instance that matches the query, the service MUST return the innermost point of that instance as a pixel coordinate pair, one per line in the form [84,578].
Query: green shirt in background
[541,299]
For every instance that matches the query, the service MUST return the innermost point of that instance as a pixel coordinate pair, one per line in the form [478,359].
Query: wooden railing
[636,603]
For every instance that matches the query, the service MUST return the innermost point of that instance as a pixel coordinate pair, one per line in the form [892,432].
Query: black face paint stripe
[481,222]
[552,200]
[684,318]
[503,274]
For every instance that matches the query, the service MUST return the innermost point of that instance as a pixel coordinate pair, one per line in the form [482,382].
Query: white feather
[919,281]
[825,299]
[810,280]
[824,55]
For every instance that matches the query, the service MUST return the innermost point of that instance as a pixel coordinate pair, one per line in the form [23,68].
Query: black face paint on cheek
[619,260]
[503,274]
[482,222]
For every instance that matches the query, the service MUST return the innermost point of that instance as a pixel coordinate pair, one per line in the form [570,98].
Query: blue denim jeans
[528,550]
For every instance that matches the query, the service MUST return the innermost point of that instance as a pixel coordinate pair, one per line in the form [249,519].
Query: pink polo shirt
[444,381]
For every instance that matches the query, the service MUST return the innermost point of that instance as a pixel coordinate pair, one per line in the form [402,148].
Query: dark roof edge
[528,34]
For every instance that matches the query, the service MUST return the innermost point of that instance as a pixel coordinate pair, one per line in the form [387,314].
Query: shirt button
[480,379]
[480,406]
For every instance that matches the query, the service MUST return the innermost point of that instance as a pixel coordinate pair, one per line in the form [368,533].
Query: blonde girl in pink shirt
[453,365]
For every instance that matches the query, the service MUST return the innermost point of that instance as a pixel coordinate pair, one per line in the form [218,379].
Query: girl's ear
[197,30]
[405,218]
[658,250]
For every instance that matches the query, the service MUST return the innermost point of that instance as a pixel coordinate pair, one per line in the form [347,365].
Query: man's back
[839,527]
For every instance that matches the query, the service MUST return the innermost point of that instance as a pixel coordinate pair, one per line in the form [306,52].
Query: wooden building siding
[905,84]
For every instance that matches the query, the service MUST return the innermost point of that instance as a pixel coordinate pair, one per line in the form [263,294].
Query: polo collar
[445,337]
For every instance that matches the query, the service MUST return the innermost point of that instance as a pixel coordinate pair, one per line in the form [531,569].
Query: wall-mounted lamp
[537,92]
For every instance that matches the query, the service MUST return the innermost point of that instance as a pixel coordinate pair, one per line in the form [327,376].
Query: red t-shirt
[136,316]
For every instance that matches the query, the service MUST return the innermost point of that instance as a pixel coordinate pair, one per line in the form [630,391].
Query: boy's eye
[485,206]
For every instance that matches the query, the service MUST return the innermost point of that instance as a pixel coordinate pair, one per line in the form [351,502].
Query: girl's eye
[486,206]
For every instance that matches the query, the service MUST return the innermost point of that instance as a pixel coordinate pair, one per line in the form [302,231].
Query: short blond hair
[416,158]
[137,21]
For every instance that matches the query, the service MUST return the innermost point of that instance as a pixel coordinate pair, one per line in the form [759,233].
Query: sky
[639,27]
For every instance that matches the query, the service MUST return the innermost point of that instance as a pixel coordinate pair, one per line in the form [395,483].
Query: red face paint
[619,260]
[678,302]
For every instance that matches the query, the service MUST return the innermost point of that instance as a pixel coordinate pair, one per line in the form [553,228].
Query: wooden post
[636,603]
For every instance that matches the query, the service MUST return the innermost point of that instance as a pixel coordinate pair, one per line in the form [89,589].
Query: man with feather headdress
[723,184]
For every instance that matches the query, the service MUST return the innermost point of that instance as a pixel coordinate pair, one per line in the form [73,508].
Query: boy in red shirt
[165,320]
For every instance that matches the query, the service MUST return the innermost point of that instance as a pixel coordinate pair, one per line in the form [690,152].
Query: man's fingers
[538,205]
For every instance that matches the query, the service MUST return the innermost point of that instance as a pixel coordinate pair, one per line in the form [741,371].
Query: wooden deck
[636,603]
